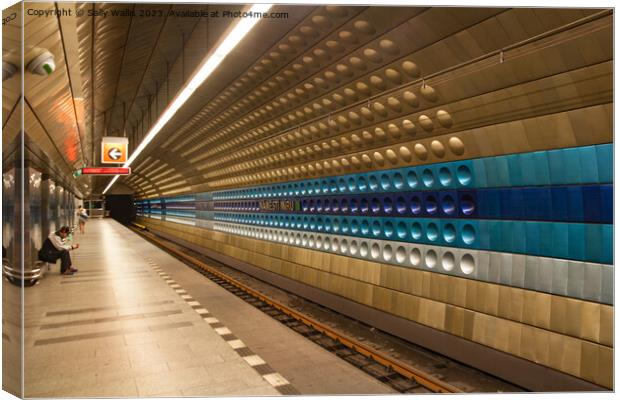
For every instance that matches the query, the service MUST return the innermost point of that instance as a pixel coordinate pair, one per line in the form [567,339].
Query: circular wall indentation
[415,205]
[387,253]
[354,209]
[449,233]
[355,118]
[445,176]
[389,46]
[411,99]
[363,89]
[353,247]
[321,21]
[401,254]
[432,232]
[430,259]
[444,118]
[412,179]
[427,178]
[448,205]
[298,41]
[379,158]
[415,257]
[463,175]
[430,204]
[388,229]
[361,183]
[426,123]
[375,206]
[348,37]
[391,156]
[394,104]
[428,93]
[420,151]
[394,130]
[398,180]
[376,228]
[350,93]
[447,261]
[365,227]
[401,230]
[351,184]
[364,27]
[456,146]
[375,251]
[372,55]
[367,113]
[405,154]
[409,127]
[438,148]
[386,182]
[394,76]
[401,205]
[377,82]
[416,230]
[411,69]
[468,234]
[379,108]
[467,204]
[467,264]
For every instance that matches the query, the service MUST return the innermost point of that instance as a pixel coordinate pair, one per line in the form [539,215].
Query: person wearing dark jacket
[54,248]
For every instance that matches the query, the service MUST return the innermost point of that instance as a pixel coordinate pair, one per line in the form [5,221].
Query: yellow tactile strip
[265,370]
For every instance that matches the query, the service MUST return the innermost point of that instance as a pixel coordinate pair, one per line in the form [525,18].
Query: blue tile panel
[591,204]
[555,203]
[574,241]
[180,206]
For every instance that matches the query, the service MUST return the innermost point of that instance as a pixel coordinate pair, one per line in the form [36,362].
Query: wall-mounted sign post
[114,150]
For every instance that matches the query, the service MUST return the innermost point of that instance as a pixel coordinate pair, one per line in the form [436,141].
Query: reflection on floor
[116,328]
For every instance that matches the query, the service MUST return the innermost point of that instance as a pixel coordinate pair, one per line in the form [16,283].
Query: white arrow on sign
[115,153]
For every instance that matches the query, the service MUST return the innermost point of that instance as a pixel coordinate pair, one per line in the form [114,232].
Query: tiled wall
[537,245]
[434,171]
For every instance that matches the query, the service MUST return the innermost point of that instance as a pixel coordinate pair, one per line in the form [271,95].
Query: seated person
[54,248]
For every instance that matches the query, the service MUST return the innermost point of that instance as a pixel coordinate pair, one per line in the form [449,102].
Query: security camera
[8,70]
[43,64]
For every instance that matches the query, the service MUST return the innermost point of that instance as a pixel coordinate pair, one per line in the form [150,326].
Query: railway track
[394,373]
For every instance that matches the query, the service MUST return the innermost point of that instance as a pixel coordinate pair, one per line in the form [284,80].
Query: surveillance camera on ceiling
[43,64]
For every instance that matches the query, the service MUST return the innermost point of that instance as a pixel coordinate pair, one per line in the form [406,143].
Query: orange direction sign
[114,150]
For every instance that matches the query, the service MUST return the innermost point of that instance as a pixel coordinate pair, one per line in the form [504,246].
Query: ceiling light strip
[207,67]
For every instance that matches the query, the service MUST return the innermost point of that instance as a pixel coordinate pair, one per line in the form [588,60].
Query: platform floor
[136,322]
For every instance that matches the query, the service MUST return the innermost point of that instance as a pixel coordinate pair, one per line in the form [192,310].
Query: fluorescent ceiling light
[202,73]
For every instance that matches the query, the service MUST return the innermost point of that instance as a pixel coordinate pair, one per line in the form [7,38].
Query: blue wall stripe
[592,204]
[584,242]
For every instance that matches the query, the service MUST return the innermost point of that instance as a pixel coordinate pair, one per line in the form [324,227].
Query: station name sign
[279,205]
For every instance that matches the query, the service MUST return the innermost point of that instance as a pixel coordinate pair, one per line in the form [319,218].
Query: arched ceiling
[346,79]
[302,96]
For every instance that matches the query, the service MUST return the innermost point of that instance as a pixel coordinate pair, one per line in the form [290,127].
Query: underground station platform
[214,200]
